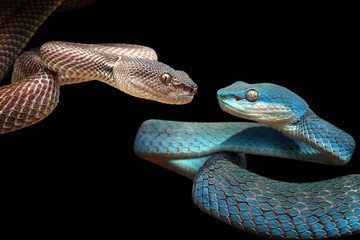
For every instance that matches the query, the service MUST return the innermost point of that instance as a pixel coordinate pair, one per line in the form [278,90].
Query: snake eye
[252,95]
[166,78]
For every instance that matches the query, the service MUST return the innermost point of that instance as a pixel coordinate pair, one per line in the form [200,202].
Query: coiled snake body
[212,155]
[37,75]
[205,152]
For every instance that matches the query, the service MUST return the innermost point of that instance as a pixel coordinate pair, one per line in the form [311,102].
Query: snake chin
[176,99]
[231,109]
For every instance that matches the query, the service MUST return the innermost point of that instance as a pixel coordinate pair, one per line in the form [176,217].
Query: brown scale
[34,91]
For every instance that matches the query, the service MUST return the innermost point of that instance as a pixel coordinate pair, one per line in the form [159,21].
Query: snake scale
[211,154]
[37,75]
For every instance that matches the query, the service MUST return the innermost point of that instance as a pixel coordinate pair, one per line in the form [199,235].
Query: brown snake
[38,75]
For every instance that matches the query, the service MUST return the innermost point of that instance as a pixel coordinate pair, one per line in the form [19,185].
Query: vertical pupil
[166,78]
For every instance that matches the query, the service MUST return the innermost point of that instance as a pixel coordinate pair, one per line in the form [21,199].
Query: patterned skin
[133,69]
[211,155]
[37,75]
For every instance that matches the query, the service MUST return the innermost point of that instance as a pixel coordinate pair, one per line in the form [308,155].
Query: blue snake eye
[252,95]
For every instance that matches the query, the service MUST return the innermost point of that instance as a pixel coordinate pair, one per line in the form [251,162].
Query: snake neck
[337,145]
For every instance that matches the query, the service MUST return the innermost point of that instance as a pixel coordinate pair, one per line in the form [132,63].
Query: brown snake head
[153,80]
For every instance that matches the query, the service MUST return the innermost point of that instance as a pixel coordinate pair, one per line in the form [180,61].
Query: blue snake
[212,155]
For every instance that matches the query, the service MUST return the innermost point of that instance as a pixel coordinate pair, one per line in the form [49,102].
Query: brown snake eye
[166,78]
[252,95]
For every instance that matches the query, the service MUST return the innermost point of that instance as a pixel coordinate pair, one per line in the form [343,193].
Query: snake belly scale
[212,155]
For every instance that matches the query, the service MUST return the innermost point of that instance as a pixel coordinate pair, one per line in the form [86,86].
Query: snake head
[264,102]
[153,80]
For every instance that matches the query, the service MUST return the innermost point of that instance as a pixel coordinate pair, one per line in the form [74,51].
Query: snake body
[204,152]
[37,75]
[211,154]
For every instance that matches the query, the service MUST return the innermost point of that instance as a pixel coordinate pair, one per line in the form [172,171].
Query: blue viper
[212,154]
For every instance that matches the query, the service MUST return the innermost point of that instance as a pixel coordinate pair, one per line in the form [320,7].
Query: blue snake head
[263,102]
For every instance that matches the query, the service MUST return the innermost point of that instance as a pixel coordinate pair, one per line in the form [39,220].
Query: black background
[75,171]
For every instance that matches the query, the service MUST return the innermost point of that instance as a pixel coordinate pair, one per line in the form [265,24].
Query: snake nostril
[193,91]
